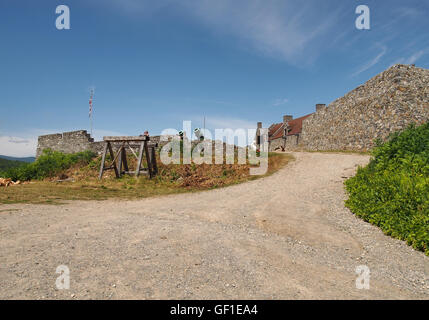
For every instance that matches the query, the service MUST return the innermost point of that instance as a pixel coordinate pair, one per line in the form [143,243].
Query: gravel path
[287,236]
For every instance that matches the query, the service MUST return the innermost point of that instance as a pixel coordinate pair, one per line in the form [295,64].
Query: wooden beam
[125,138]
[132,150]
[124,159]
[149,144]
[143,171]
[139,160]
[153,160]
[148,160]
[103,158]
[120,160]
[114,159]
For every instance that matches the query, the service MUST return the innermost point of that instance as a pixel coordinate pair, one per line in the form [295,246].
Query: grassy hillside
[8,164]
[392,192]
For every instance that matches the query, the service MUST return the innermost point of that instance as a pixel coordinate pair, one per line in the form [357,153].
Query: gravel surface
[287,236]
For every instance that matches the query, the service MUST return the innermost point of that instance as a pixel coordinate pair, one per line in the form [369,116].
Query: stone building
[286,134]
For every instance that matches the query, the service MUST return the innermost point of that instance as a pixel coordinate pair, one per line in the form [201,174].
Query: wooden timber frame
[118,159]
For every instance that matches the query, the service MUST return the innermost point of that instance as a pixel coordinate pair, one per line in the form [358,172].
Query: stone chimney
[287,118]
[320,107]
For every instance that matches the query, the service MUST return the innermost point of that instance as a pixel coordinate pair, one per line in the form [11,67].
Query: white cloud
[283,29]
[413,58]
[294,31]
[137,7]
[229,123]
[25,144]
[18,146]
[372,62]
[280,102]
[98,134]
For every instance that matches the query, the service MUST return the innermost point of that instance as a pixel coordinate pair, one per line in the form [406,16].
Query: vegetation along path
[285,236]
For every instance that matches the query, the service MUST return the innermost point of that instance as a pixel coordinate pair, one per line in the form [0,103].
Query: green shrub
[49,164]
[392,192]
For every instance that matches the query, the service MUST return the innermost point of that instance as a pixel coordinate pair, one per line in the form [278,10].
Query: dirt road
[287,236]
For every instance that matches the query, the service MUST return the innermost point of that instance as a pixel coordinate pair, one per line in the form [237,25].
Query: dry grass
[171,179]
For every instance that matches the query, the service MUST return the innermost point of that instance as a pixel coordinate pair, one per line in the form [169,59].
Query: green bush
[392,192]
[49,164]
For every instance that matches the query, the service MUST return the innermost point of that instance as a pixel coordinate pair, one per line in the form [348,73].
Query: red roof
[275,131]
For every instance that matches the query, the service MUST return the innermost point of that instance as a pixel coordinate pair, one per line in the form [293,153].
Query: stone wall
[68,142]
[78,141]
[275,144]
[387,103]
[290,145]
[292,142]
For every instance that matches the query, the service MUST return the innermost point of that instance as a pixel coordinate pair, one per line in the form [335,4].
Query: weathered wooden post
[153,160]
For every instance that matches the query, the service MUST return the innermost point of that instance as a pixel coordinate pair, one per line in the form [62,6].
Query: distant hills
[26,159]
[12,162]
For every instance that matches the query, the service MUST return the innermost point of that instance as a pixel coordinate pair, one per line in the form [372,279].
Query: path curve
[287,236]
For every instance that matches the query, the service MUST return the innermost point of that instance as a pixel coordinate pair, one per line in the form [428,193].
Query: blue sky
[156,63]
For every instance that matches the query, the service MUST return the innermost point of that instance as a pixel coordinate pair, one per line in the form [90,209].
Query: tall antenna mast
[91,97]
